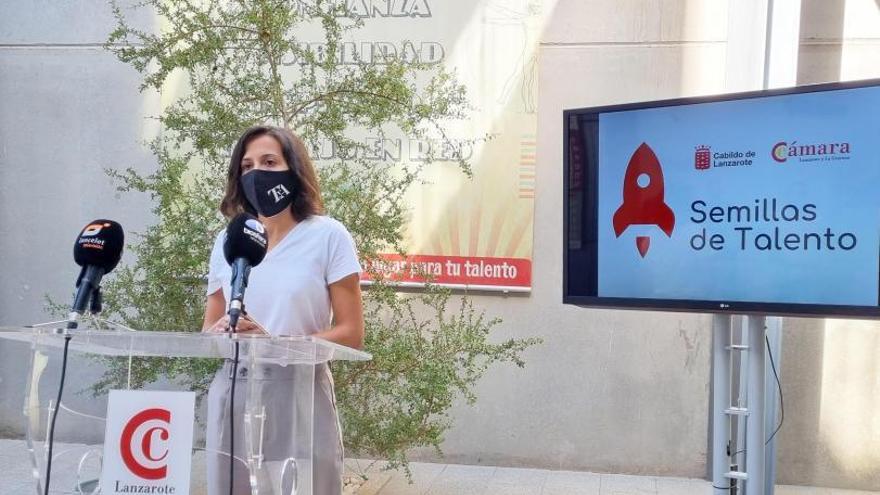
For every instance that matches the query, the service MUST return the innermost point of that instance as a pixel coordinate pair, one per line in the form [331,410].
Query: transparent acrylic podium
[76,465]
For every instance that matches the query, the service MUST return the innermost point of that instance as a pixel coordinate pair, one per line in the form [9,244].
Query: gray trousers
[284,414]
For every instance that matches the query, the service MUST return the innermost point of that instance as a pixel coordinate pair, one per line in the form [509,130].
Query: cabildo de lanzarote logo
[704,158]
[643,198]
[821,152]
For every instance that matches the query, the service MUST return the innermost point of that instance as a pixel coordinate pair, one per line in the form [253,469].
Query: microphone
[244,248]
[97,250]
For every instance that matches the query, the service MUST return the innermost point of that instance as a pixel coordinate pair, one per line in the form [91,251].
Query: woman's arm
[215,308]
[348,313]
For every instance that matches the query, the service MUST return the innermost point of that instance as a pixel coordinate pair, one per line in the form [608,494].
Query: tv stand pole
[750,467]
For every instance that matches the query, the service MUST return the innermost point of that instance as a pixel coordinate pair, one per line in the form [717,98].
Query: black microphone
[97,250]
[244,248]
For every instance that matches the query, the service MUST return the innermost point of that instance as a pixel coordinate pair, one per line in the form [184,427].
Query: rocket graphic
[643,205]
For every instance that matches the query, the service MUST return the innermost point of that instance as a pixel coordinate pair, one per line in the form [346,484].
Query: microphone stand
[232,328]
[93,299]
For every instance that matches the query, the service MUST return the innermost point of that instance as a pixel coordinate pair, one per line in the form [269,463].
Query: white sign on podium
[148,442]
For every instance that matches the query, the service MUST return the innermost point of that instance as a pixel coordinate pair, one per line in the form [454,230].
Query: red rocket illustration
[643,205]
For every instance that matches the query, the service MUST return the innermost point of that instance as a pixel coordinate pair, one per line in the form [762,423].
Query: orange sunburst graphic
[527,162]
[474,233]
[505,236]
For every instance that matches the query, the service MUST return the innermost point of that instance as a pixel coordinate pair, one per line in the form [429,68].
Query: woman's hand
[246,325]
[215,311]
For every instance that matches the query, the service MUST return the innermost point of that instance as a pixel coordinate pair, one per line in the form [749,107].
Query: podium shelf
[267,349]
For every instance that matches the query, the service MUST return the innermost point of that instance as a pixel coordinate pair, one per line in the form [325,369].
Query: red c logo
[780,151]
[141,433]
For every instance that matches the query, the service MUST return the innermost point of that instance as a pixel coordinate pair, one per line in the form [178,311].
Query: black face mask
[268,192]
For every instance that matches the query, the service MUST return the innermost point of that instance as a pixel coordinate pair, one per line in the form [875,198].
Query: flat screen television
[765,202]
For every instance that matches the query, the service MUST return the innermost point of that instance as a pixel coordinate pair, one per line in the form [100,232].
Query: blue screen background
[844,192]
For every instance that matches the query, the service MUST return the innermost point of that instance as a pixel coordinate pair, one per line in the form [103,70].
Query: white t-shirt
[288,292]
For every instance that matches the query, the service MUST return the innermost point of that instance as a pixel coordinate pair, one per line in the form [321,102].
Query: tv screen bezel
[691,305]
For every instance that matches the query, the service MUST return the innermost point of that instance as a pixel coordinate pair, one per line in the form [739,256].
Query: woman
[310,272]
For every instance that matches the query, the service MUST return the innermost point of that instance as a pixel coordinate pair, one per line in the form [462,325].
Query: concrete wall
[614,391]
[831,374]
[628,392]
[68,109]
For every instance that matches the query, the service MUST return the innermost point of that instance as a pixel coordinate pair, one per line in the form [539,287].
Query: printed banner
[467,232]
[456,271]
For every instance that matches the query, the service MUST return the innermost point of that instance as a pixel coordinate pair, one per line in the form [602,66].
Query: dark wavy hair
[308,193]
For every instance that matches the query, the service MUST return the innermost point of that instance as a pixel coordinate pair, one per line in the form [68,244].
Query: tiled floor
[439,479]
[428,479]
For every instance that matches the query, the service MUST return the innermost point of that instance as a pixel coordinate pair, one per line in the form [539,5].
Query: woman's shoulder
[220,236]
[217,260]
[327,223]
[219,239]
